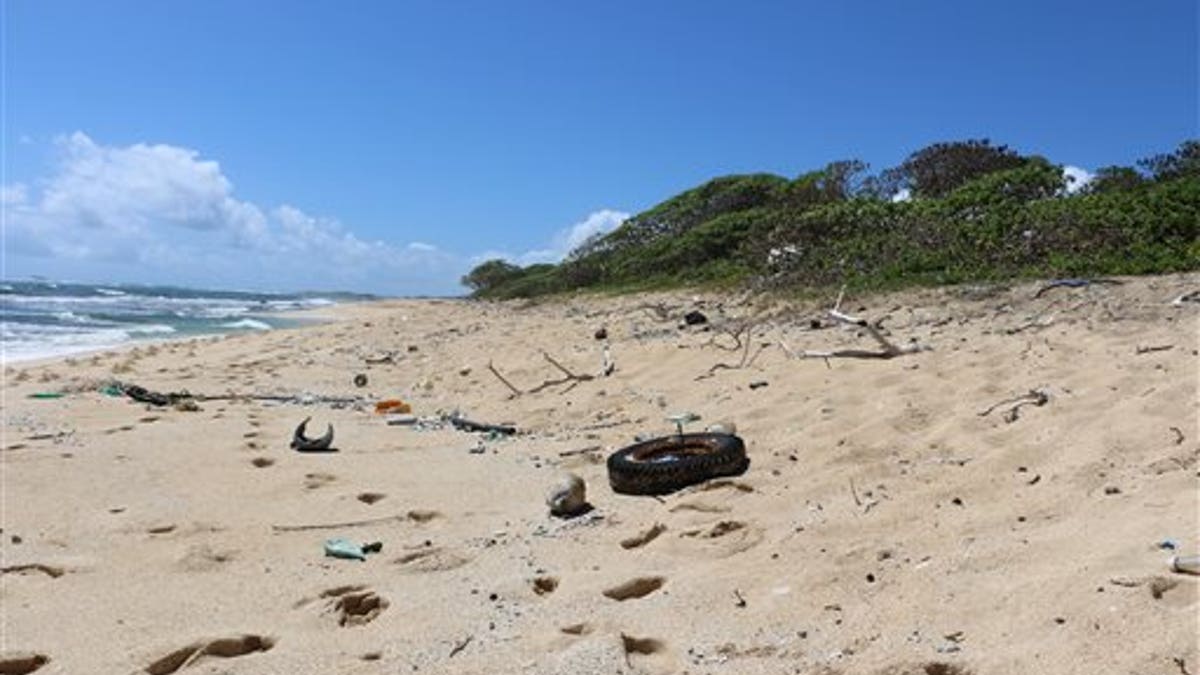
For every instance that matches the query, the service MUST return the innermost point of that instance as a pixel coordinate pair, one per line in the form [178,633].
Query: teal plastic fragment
[344,548]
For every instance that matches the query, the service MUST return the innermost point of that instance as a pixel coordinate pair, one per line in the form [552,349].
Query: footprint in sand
[544,585]
[203,558]
[354,605]
[635,588]
[720,540]
[225,648]
[577,629]
[312,481]
[430,559]
[370,497]
[938,668]
[20,663]
[641,646]
[644,537]
[250,434]
[262,462]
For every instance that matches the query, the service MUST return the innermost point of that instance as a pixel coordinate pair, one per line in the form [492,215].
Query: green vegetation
[977,212]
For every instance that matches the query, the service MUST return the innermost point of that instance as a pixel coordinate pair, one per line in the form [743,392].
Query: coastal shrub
[981,213]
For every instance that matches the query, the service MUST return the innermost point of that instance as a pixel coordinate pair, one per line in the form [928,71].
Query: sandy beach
[885,524]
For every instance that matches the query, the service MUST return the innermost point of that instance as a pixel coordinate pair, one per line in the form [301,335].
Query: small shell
[568,497]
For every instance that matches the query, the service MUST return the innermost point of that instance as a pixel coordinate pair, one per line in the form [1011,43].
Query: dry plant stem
[334,526]
[1154,348]
[571,377]
[746,360]
[1035,397]
[515,392]
[461,646]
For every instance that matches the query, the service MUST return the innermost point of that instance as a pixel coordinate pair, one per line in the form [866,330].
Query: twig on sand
[1037,397]
[854,493]
[515,392]
[743,343]
[334,526]
[573,378]
[581,451]
[568,376]
[461,646]
[1154,348]
[1178,435]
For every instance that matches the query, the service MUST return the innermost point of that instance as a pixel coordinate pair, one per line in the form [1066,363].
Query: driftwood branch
[888,349]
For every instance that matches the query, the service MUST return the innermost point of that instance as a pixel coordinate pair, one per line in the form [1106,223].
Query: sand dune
[885,525]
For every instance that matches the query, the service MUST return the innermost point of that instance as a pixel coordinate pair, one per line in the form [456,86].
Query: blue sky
[388,146]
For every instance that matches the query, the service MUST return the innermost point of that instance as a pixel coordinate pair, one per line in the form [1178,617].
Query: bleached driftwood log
[888,349]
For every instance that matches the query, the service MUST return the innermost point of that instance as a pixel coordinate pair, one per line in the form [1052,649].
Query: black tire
[667,464]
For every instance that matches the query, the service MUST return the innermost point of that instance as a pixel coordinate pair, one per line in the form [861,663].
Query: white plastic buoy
[1187,564]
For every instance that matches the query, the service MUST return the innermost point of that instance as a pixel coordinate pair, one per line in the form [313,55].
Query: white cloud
[163,213]
[1077,178]
[563,241]
[13,195]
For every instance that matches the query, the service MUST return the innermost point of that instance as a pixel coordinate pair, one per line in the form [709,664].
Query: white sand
[968,544]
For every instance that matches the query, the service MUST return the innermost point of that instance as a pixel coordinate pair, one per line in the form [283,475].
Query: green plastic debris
[344,548]
[112,390]
[47,395]
[682,419]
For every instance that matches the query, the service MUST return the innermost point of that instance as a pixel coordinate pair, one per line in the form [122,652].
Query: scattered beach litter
[464,424]
[302,443]
[360,380]
[344,548]
[47,395]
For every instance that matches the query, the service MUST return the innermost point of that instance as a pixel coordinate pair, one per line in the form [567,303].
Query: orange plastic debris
[392,406]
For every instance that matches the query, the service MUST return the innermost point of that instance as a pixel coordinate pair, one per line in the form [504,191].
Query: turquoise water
[43,318]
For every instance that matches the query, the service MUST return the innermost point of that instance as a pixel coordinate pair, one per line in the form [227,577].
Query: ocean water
[45,318]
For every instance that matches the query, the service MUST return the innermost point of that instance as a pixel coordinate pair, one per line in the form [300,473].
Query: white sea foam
[248,324]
